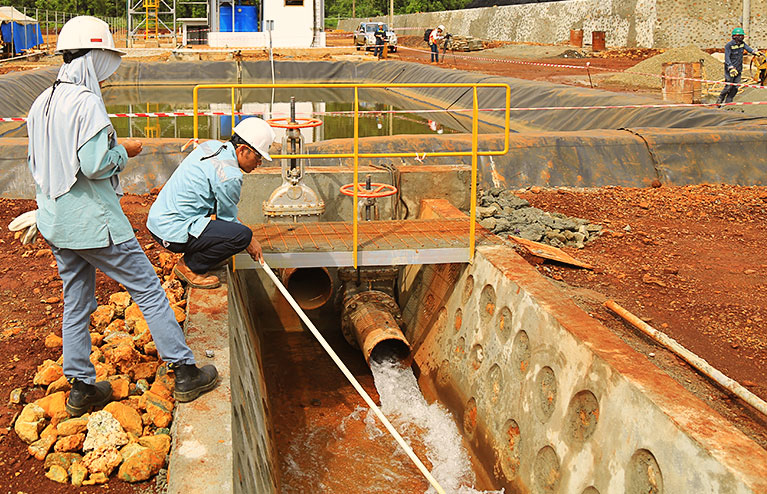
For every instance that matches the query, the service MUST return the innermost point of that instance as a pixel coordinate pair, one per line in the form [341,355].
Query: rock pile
[503,213]
[131,434]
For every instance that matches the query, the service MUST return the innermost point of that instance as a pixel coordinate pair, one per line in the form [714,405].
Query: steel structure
[152,20]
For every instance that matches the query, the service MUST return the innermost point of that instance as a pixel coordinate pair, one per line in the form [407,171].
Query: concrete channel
[546,398]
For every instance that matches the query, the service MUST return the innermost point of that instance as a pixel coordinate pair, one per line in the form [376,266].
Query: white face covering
[65,117]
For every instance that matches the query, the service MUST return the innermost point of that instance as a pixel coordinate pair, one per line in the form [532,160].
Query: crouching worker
[75,160]
[209,182]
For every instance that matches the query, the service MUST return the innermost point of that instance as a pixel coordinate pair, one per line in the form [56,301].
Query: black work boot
[85,397]
[192,381]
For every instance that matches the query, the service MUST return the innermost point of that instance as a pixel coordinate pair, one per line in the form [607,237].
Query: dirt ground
[688,260]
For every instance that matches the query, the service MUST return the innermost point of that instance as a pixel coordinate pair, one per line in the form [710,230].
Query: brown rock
[60,384]
[30,422]
[97,478]
[54,404]
[39,449]
[53,341]
[102,316]
[535,189]
[70,443]
[140,370]
[120,301]
[64,460]
[120,352]
[179,313]
[159,443]
[78,472]
[150,349]
[158,388]
[103,459]
[97,339]
[129,418]
[158,408]
[143,335]
[104,371]
[141,466]
[116,326]
[52,300]
[120,387]
[57,474]
[133,314]
[72,426]
[655,183]
[47,372]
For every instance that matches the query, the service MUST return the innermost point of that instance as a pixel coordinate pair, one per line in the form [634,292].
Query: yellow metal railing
[356,155]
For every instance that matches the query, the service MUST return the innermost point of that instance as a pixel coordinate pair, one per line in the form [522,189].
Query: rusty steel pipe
[311,287]
[370,321]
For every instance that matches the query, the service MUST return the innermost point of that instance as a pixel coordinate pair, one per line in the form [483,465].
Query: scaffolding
[152,22]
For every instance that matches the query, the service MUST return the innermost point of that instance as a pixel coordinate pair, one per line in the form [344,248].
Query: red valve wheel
[300,123]
[376,191]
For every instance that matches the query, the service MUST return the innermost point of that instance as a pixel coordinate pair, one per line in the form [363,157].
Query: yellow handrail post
[232,110]
[355,181]
[195,117]
[474,147]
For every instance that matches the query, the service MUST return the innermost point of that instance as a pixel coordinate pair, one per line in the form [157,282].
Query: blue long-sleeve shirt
[89,214]
[733,54]
[197,189]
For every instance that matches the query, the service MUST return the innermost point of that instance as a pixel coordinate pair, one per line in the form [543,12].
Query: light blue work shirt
[201,186]
[89,214]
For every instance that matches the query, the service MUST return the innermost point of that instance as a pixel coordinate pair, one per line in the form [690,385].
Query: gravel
[712,68]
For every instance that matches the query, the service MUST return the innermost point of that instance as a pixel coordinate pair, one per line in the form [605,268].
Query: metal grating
[381,243]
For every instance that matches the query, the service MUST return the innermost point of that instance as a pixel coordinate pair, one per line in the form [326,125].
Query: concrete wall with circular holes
[551,401]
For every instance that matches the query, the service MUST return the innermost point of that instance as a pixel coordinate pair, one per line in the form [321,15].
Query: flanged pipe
[311,287]
[371,322]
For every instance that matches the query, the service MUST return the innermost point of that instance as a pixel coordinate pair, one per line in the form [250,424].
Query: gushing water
[404,405]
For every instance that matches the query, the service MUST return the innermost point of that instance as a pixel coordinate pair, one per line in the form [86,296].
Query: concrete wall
[553,402]
[643,23]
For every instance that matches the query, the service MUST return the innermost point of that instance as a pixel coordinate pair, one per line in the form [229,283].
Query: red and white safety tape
[586,67]
[385,112]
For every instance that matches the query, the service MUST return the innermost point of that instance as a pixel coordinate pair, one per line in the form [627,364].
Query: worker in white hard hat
[75,160]
[208,182]
[436,38]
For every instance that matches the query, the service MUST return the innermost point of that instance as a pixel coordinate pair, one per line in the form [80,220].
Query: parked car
[364,36]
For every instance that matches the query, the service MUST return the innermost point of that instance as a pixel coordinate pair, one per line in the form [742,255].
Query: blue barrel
[245,18]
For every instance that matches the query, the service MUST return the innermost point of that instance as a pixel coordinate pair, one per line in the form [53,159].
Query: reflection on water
[376,119]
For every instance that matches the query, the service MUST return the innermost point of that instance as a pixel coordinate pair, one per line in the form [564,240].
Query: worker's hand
[132,147]
[254,249]
[758,54]
[733,72]
[27,224]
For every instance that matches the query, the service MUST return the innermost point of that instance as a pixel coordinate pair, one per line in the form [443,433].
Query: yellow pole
[195,117]
[355,181]
[232,110]
[474,146]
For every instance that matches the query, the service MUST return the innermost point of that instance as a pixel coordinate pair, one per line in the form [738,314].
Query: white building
[294,23]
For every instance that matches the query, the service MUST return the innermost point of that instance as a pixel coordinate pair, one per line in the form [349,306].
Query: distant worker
[75,160]
[208,182]
[733,65]
[380,35]
[436,38]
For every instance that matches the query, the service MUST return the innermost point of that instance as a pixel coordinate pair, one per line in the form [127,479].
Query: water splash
[403,403]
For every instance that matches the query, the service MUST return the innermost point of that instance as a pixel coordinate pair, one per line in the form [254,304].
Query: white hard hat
[257,133]
[441,27]
[380,23]
[86,33]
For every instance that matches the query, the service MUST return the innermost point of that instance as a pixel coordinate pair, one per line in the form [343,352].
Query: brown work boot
[193,279]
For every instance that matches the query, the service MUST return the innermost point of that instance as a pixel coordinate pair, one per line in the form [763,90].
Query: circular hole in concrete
[470,417]
[443,373]
[495,381]
[510,449]
[546,471]
[487,303]
[520,354]
[477,356]
[546,384]
[458,320]
[582,416]
[460,347]
[504,324]
[643,474]
[468,287]
[590,490]
[441,323]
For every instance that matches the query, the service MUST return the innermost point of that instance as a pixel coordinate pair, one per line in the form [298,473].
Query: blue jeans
[434,52]
[378,50]
[219,241]
[127,264]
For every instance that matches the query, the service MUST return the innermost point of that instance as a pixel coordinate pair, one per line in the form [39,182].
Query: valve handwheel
[299,123]
[376,190]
